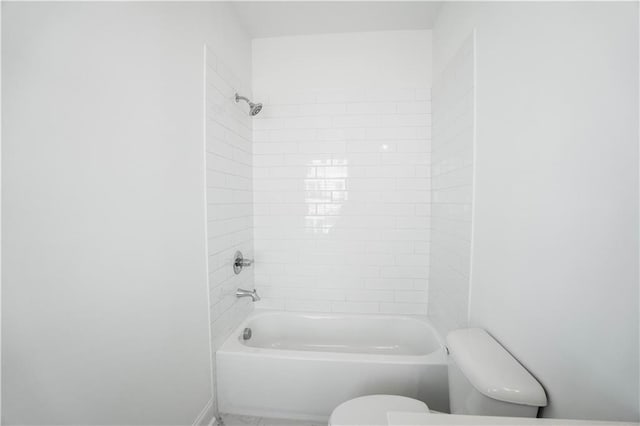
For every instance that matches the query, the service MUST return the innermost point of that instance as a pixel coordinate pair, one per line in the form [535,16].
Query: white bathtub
[302,366]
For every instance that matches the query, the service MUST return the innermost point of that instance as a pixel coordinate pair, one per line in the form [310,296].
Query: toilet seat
[372,410]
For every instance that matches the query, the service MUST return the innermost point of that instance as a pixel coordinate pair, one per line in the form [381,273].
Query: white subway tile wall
[342,200]
[229,196]
[452,186]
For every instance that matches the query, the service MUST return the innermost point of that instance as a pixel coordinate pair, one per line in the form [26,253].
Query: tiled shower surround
[342,201]
[229,211]
[452,184]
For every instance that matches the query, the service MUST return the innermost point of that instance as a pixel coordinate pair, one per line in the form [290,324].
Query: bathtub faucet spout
[246,293]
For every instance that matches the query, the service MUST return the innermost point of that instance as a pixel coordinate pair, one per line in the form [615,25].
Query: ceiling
[287,18]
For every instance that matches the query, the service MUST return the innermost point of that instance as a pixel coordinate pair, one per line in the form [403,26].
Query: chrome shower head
[254,109]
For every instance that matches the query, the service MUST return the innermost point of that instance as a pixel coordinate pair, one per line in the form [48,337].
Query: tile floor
[234,420]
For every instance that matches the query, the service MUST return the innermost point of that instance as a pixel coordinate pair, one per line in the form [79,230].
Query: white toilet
[484,380]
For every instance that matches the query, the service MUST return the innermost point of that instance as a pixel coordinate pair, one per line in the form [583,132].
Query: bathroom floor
[234,420]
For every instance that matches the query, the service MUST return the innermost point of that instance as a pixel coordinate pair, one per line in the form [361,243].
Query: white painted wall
[341,172]
[555,267]
[381,60]
[452,155]
[278,19]
[104,280]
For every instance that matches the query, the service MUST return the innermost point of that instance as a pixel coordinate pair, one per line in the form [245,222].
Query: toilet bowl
[484,379]
[372,410]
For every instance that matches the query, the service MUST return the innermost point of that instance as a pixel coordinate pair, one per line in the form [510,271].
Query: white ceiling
[286,18]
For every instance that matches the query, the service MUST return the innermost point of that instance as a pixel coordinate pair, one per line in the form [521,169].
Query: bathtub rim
[233,345]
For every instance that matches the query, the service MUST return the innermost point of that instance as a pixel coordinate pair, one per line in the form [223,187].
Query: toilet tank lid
[492,370]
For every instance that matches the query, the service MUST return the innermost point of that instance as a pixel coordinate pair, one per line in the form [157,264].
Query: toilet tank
[485,380]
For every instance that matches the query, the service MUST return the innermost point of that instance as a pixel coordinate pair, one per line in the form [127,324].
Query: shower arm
[238,97]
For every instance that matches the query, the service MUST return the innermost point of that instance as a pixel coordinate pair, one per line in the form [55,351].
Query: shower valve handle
[244,262]
[240,262]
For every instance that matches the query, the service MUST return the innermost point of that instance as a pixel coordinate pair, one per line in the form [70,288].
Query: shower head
[254,109]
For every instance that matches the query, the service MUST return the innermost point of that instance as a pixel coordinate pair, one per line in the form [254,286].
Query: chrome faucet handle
[240,262]
[245,262]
